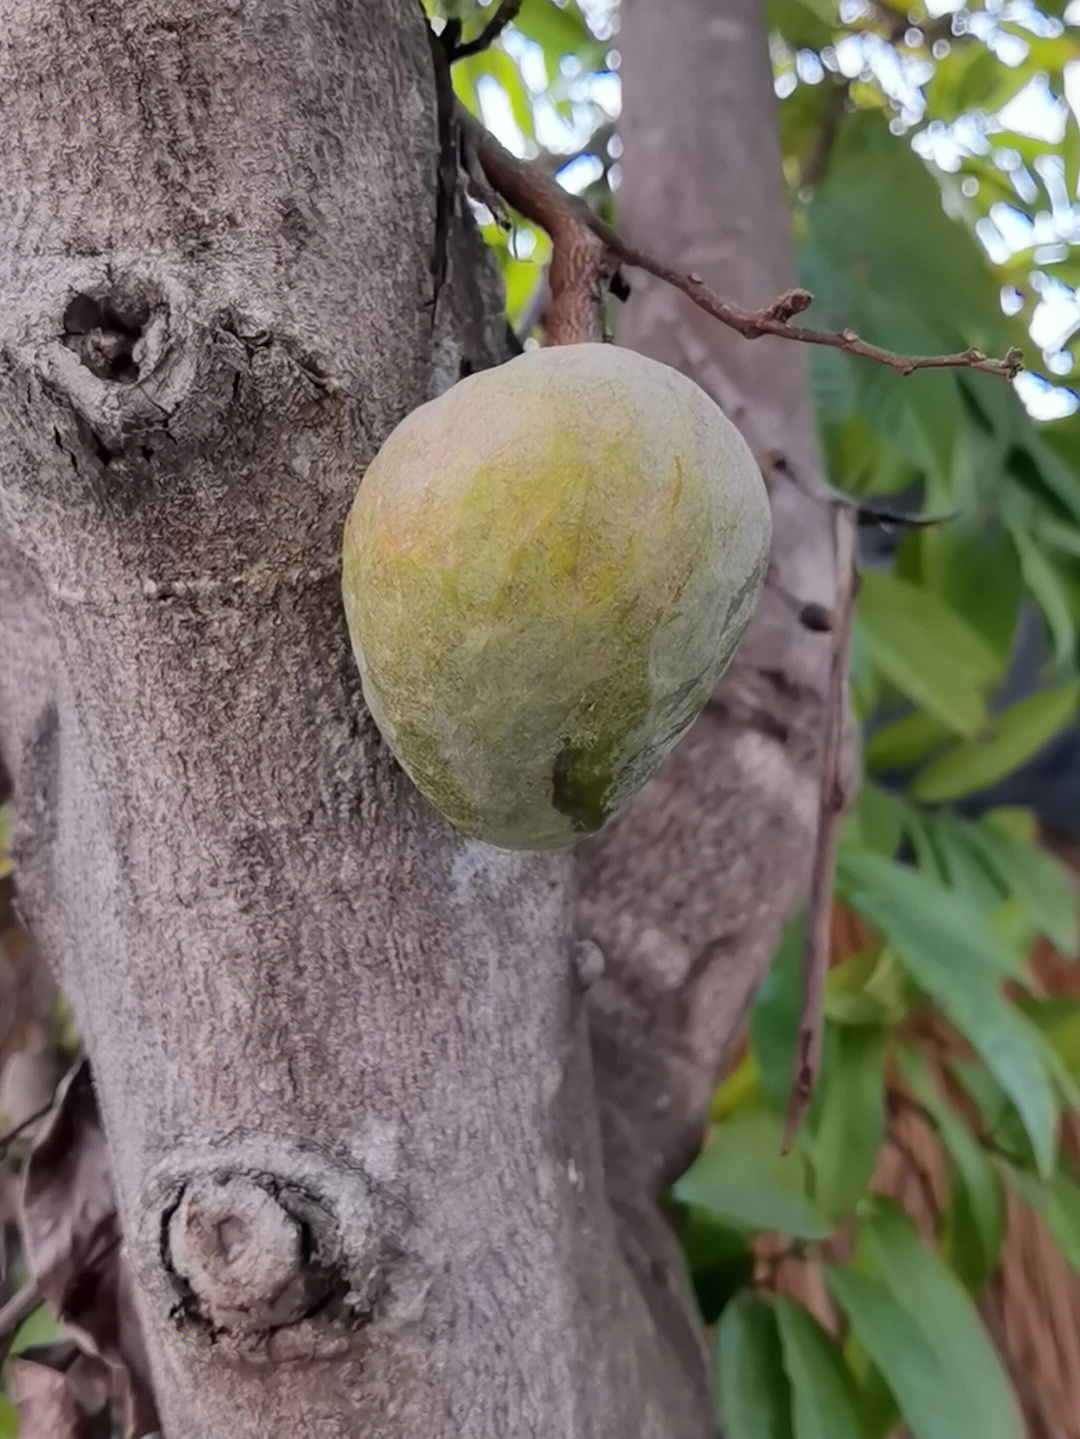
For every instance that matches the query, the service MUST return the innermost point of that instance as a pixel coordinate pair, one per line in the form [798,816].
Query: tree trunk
[342,1054]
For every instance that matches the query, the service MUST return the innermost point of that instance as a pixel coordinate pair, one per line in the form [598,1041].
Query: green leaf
[720,1262]
[494,66]
[9,1419]
[896,745]
[1043,579]
[947,677]
[975,1222]
[921,1332]
[774,1018]
[755,1397]
[804,24]
[741,1179]
[37,1329]
[953,955]
[1048,891]
[846,1123]
[1059,1020]
[1013,736]
[868,988]
[877,819]
[957,561]
[999,1119]
[824,1402]
[740,1089]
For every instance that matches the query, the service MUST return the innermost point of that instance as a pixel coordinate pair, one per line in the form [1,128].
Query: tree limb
[830,808]
[529,188]
[506,12]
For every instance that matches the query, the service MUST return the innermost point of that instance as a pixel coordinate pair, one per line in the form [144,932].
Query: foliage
[933,158]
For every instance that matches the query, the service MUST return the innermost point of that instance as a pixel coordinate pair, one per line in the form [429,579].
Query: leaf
[947,677]
[774,1018]
[1047,890]
[494,67]
[741,1179]
[738,1090]
[920,1331]
[869,988]
[953,955]
[71,1239]
[1059,1020]
[846,1123]
[878,819]
[804,24]
[999,1119]
[904,741]
[720,1262]
[9,1419]
[1013,736]
[975,1224]
[754,1395]
[46,1402]
[823,1394]
[37,1330]
[975,570]
[1044,581]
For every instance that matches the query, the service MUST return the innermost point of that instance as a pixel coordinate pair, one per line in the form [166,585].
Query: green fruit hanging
[545,571]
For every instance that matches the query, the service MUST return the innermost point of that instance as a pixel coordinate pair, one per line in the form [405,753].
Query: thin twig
[830,808]
[529,188]
[506,12]
[13,1134]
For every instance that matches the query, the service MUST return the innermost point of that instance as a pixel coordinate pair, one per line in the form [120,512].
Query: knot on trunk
[271,1252]
[248,1258]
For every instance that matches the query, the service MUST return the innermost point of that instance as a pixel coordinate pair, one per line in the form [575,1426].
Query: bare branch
[506,12]
[531,190]
[579,256]
[830,808]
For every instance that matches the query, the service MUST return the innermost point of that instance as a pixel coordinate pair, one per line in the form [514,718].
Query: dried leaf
[71,1236]
[46,1402]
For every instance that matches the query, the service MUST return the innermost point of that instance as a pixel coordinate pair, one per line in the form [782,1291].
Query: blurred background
[912,1267]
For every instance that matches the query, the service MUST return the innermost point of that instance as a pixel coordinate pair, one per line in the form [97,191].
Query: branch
[830,808]
[528,187]
[506,12]
[579,256]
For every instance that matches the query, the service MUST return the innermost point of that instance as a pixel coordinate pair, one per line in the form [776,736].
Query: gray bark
[342,1054]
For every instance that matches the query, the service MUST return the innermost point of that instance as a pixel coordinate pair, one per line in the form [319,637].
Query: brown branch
[830,808]
[506,12]
[579,257]
[528,188]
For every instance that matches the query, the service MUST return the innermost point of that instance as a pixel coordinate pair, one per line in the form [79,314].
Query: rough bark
[342,1055]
